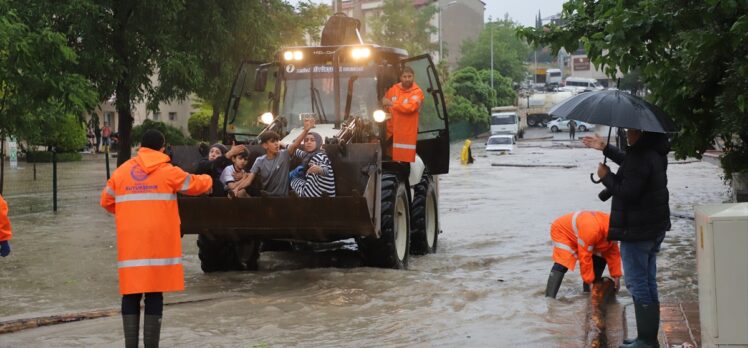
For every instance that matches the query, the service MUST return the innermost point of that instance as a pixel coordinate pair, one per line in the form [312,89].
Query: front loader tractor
[390,208]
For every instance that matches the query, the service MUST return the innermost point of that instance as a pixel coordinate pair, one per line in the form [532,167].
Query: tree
[199,123]
[223,34]
[311,17]
[402,25]
[37,85]
[691,55]
[172,135]
[503,90]
[468,97]
[509,51]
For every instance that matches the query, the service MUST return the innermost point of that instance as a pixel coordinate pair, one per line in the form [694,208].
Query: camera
[604,195]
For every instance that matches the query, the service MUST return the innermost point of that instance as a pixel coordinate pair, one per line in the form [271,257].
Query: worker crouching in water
[582,236]
[142,194]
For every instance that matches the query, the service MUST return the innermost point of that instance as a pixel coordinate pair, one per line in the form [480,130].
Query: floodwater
[483,288]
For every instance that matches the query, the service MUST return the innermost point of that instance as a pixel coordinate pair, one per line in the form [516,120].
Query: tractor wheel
[392,248]
[218,255]
[531,122]
[424,217]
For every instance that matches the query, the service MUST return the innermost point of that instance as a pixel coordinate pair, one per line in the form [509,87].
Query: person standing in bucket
[582,236]
[639,218]
[142,194]
[403,101]
[6,232]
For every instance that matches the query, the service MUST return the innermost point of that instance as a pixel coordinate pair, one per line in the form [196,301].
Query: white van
[580,84]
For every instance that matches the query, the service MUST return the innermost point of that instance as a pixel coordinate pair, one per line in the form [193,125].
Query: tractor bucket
[354,212]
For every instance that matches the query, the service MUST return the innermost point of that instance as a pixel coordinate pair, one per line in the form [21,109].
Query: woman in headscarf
[314,177]
[213,165]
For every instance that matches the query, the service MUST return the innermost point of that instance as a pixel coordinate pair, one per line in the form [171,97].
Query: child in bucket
[232,174]
[314,177]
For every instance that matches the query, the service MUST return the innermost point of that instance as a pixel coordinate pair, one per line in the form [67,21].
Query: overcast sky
[522,11]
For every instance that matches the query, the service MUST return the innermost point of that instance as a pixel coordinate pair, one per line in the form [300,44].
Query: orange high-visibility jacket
[142,195]
[406,103]
[5,230]
[579,235]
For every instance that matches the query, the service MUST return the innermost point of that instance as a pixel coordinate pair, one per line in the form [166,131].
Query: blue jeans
[640,269]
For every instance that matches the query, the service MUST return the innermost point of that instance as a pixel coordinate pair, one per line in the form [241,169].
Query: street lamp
[441,43]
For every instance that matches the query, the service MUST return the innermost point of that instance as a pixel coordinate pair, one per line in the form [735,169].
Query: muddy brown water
[483,288]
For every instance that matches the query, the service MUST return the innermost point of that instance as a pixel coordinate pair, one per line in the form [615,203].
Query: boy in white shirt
[232,174]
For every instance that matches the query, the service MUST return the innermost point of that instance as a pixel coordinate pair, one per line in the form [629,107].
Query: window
[172,116]
[156,115]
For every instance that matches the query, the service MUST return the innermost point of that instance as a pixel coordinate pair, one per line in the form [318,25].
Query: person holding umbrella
[640,210]
[639,217]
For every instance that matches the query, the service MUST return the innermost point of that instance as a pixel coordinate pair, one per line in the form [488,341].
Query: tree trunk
[213,130]
[125,123]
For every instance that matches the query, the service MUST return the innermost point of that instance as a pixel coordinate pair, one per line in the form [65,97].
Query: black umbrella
[616,109]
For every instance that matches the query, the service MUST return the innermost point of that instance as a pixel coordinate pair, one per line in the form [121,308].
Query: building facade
[175,114]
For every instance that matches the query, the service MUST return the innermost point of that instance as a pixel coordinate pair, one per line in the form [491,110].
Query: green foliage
[691,55]
[199,123]
[67,132]
[509,51]
[37,81]
[311,18]
[173,135]
[502,86]
[46,157]
[402,25]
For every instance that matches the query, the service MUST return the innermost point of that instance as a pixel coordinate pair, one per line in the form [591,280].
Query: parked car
[501,142]
[562,125]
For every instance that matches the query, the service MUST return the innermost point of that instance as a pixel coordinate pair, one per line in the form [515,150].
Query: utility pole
[490,27]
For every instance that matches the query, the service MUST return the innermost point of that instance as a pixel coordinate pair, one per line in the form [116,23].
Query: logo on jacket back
[138,174]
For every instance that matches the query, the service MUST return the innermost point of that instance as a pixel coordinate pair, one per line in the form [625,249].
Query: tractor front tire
[392,248]
[424,217]
[219,255]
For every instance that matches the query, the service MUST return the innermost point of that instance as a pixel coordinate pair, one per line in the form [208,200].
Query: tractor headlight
[298,55]
[267,118]
[288,55]
[379,116]
[360,52]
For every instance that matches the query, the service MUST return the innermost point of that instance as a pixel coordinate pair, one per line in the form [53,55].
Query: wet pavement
[483,288]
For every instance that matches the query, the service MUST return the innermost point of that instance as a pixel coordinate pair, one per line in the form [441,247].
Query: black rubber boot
[647,327]
[554,283]
[151,331]
[131,325]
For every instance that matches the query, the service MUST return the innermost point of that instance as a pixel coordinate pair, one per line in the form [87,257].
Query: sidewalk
[679,324]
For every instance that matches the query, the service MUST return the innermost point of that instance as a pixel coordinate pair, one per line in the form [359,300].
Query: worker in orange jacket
[142,195]
[583,236]
[6,233]
[403,101]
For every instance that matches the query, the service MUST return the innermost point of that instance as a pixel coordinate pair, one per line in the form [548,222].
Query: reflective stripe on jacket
[5,230]
[578,236]
[142,195]
[406,103]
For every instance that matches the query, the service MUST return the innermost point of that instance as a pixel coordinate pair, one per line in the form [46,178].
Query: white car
[501,142]
[562,125]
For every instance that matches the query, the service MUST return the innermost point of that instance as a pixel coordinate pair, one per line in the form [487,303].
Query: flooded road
[483,288]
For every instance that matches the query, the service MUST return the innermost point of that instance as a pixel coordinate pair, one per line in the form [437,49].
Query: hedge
[46,157]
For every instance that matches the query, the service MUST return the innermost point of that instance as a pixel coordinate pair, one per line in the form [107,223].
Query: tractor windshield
[312,90]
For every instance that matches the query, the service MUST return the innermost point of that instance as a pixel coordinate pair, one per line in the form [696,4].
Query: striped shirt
[315,185]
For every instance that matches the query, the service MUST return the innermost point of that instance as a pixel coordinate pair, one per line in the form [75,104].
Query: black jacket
[640,209]
[214,169]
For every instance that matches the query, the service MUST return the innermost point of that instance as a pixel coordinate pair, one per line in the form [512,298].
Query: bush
[199,125]
[173,135]
[46,157]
